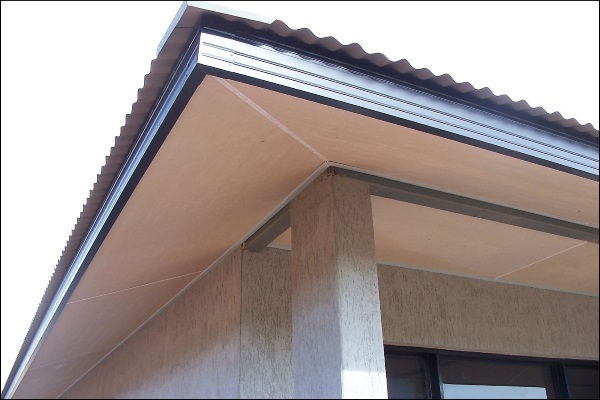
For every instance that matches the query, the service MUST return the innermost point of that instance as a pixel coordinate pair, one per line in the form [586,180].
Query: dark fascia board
[180,87]
[454,203]
[282,69]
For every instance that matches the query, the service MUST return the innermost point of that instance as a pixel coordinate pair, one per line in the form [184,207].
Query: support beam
[422,196]
[337,335]
[402,191]
[269,231]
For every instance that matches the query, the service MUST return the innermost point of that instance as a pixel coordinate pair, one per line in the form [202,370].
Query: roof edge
[170,49]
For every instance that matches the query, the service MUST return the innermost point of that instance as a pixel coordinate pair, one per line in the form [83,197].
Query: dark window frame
[433,380]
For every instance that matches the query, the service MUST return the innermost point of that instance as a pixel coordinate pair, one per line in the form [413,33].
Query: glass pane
[405,377]
[492,392]
[494,379]
[583,382]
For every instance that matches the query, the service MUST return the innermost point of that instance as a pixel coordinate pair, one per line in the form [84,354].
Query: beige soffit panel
[148,239]
[575,269]
[222,169]
[87,330]
[412,156]
[50,380]
[426,238]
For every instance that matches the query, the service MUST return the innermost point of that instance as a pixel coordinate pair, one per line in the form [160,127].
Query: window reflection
[405,377]
[492,392]
[494,380]
[583,382]
[418,374]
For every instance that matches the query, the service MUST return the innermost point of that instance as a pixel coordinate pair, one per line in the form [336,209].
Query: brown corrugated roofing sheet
[178,36]
[444,84]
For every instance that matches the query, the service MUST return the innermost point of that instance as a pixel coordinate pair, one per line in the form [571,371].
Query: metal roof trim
[353,53]
[443,84]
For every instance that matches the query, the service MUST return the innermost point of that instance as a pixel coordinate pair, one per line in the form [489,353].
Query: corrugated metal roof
[444,84]
[187,21]
[354,55]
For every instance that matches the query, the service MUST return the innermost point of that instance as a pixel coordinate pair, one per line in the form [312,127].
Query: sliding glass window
[466,379]
[425,374]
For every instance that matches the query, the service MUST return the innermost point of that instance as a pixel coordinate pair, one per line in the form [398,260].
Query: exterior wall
[426,309]
[190,350]
[200,346]
[266,336]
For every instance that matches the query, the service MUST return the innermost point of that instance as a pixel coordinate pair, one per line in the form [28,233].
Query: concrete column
[337,336]
[266,325]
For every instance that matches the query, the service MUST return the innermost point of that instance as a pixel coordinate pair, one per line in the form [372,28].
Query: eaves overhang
[268,54]
[281,68]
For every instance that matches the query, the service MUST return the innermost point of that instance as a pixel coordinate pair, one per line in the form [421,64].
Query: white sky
[70,72]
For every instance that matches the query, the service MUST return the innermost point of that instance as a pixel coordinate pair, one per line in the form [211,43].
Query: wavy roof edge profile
[190,17]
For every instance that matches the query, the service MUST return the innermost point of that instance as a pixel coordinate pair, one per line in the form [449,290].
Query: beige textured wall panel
[190,350]
[266,333]
[337,342]
[426,309]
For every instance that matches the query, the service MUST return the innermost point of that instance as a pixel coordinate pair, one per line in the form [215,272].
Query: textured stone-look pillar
[337,335]
[266,325]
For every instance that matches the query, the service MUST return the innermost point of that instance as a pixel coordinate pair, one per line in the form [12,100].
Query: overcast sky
[70,72]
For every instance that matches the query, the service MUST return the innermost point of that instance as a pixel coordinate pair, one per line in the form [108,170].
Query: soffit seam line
[134,287]
[543,259]
[269,117]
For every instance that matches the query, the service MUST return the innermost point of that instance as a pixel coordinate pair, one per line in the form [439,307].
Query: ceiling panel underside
[237,152]
[419,237]
[412,156]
